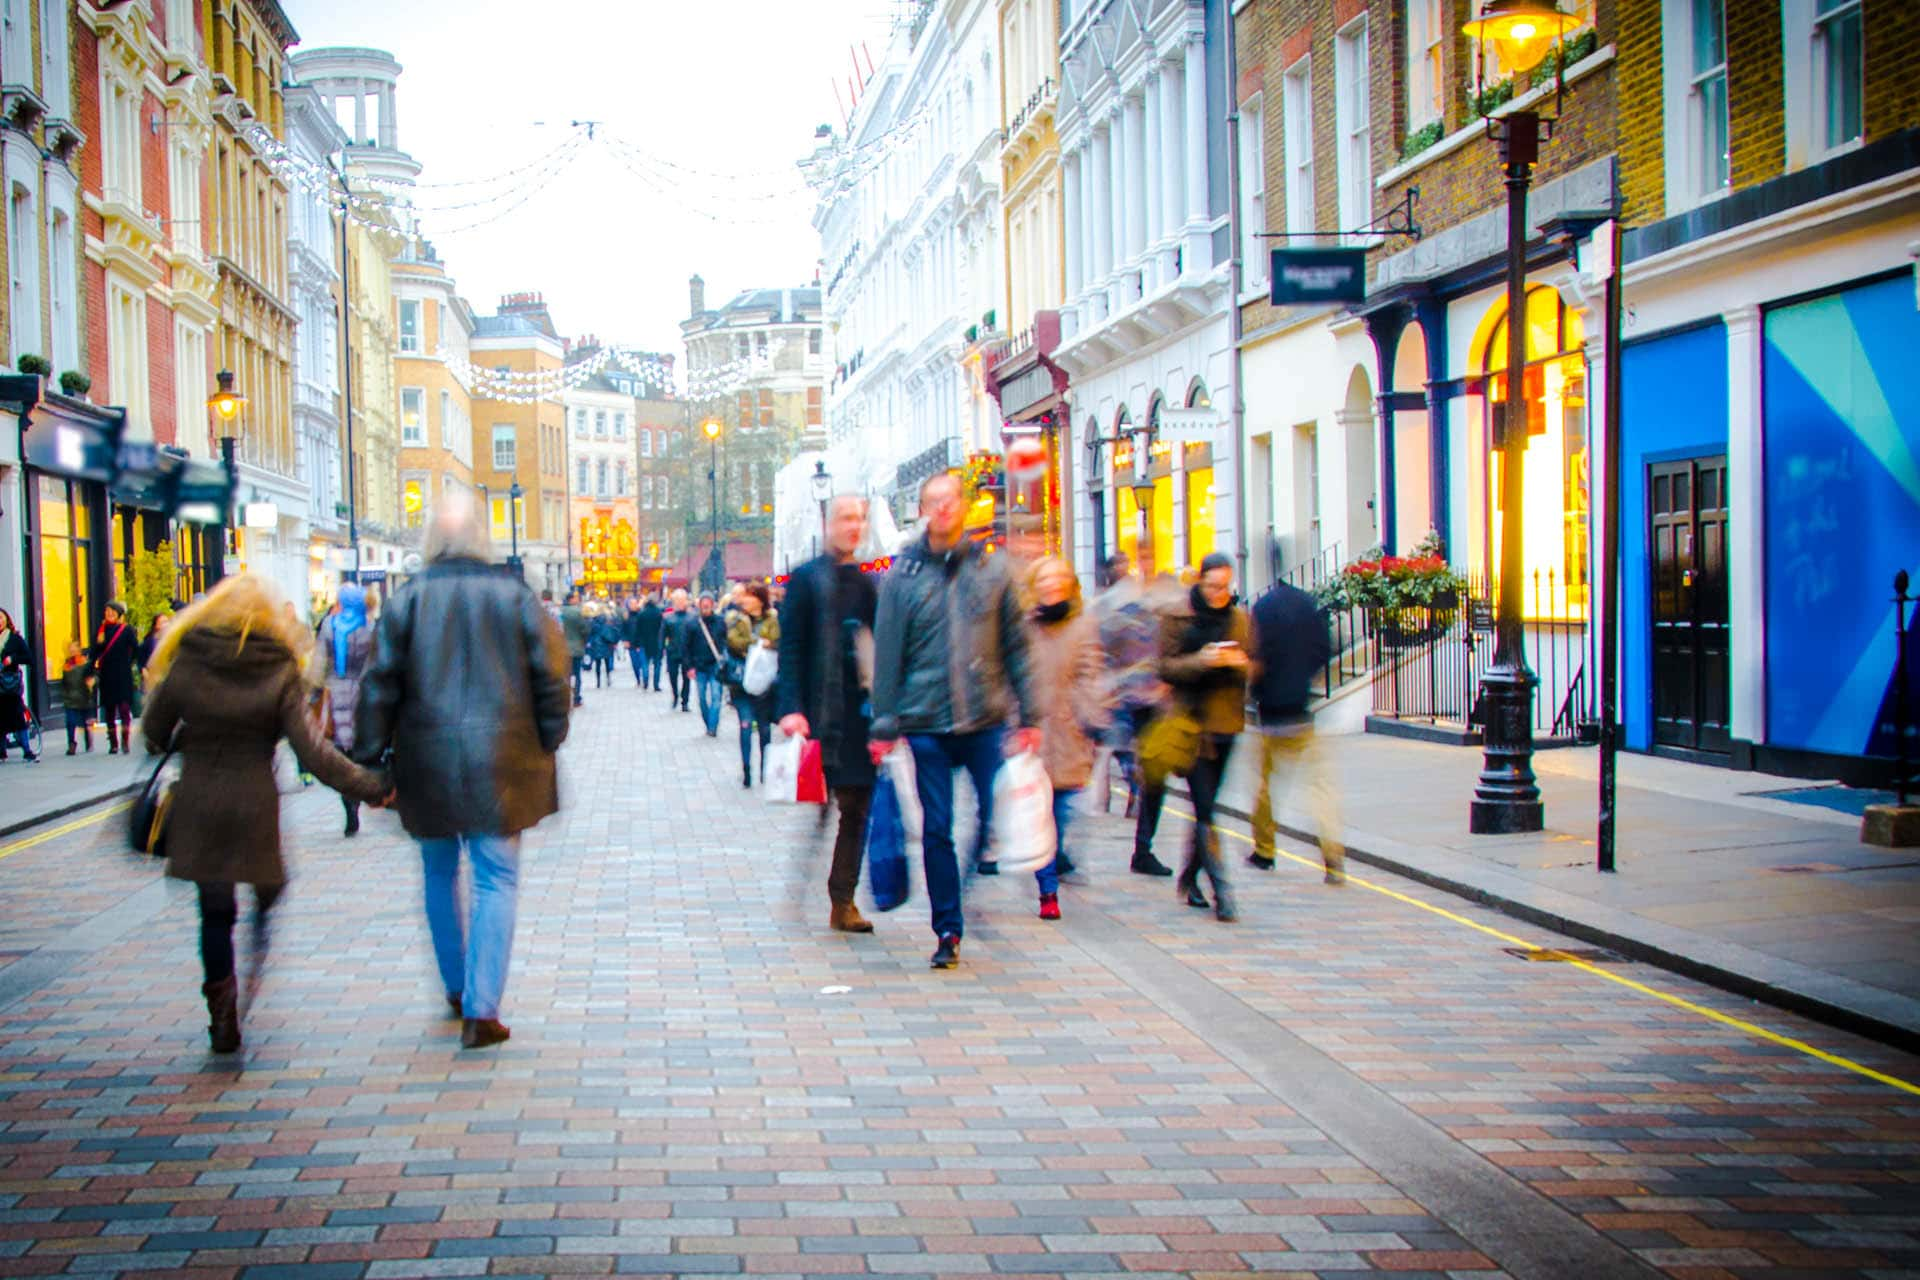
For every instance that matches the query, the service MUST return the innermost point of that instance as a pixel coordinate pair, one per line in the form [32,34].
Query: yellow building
[372,394]
[435,329]
[524,443]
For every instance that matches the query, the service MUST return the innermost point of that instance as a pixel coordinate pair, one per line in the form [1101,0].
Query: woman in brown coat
[229,690]
[1068,670]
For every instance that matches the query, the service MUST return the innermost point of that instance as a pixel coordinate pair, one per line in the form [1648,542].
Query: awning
[742,561]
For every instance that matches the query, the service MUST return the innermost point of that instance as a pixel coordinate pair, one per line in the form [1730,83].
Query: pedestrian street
[703,1079]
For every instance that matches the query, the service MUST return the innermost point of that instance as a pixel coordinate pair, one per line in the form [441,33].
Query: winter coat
[232,700]
[75,691]
[578,629]
[743,631]
[827,605]
[673,634]
[950,646]
[603,639]
[343,691]
[14,657]
[112,658]
[1215,696]
[1295,646]
[1069,678]
[696,653]
[469,691]
[645,627]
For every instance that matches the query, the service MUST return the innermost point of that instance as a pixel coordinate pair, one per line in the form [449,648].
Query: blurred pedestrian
[753,623]
[950,665]
[1206,646]
[673,647]
[645,637]
[1068,673]
[1130,634]
[467,697]
[1295,644]
[228,689]
[822,691]
[76,697]
[603,643]
[15,656]
[578,629]
[341,655]
[112,659]
[706,643]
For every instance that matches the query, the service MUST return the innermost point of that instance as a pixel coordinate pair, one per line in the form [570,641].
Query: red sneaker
[1049,906]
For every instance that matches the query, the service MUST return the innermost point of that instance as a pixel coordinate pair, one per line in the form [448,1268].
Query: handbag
[729,669]
[1023,835]
[147,819]
[793,772]
[762,669]
[1169,745]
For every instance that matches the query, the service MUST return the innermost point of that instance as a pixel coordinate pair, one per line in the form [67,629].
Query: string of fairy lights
[533,386]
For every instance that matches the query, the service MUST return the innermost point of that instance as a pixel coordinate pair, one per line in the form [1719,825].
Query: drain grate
[1592,955]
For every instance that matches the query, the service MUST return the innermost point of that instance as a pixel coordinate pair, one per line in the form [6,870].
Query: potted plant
[33,365]
[1406,598]
[74,383]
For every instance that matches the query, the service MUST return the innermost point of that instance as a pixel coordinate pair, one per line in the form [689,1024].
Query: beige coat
[1069,681]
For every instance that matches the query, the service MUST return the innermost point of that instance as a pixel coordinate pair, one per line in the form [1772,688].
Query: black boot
[223,1014]
[353,815]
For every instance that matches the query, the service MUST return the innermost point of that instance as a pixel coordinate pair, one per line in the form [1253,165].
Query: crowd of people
[451,705]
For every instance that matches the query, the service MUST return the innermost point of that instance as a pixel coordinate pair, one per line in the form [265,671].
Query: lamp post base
[1506,800]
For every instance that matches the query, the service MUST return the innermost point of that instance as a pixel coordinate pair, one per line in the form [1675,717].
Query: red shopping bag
[812,785]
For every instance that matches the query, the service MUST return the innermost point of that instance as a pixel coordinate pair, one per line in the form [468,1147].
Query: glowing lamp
[226,401]
[1520,31]
[711,428]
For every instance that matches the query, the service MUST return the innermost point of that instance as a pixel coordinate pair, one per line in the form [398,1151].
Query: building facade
[524,441]
[434,338]
[1145,334]
[603,509]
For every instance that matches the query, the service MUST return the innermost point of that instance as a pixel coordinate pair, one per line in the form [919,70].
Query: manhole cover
[1592,955]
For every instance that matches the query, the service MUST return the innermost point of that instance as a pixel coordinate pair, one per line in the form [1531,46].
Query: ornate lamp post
[514,495]
[822,490]
[715,573]
[1506,799]
[226,404]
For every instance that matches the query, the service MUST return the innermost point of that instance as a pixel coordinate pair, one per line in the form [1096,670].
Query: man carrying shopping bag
[950,663]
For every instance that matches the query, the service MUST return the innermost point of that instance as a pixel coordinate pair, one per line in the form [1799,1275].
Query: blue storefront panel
[1673,404]
[1842,448]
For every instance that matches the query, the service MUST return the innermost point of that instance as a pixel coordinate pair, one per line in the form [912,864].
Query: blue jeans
[710,699]
[639,661]
[579,665]
[1049,875]
[935,757]
[651,666]
[473,952]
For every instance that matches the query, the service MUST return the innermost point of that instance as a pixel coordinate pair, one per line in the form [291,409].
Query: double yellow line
[1712,1015]
[98,815]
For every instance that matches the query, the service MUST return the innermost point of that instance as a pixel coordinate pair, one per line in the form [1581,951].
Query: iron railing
[1352,655]
[1428,661]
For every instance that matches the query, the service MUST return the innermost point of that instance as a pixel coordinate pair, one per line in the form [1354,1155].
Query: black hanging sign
[1318,275]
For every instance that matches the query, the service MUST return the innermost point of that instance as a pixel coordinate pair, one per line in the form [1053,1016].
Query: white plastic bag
[782,769]
[897,764]
[763,668]
[1023,835]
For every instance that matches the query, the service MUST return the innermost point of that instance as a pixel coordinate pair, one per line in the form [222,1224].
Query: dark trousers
[80,718]
[650,669]
[849,843]
[219,910]
[756,717]
[1203,788]
[678,680]
[579,664]
[935,757]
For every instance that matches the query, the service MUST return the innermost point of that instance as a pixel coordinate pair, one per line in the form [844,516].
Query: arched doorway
[1412,477]
[1359,527]
[1553,513]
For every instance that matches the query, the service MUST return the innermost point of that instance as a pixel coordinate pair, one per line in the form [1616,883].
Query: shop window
[66,570]
[1554,508]
[1200,510]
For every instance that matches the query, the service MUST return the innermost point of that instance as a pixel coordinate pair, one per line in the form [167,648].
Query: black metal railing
[1352,655]
[1428,661]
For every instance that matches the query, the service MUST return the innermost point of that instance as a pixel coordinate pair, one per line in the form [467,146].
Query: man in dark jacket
[950,663]
[821,693]
[673,644]
[645,626]
[704,641]
[578,629]
[468,694]
[1294,645]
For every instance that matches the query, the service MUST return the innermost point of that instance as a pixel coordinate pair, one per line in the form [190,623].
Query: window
[813,406]
[1707,101]
[1837,73]
[813,342]
[16,46]
[413,417]
[413,502]
[600,488]
[503,447]
[1253,190]
[1426,34]
[600,423]
[582,477]
[646,443]
[55,73]
[446,421]
[646,493]
[620,479]
[127,351]
[745,347]
[120,143]
[580,422]
[1354,121]
[409,327]
[760,345]
[61,252]
[180,27]
[766,407]
[619,426]
[1297,102]
[660,498]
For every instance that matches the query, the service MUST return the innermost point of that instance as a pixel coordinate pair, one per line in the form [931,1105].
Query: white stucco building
[909,221]
[313,276]
[1146,330]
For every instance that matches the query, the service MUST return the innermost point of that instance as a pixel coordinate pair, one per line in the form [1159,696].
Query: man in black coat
[645,630]
[673,646]
[1295,645]
[822,692]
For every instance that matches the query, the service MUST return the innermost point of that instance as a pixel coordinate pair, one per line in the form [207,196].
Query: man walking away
[644,630]
[1130,634]
[467,695]
[578,629]
[1294,644]
[705,643]
[674,635]
[822,694]
[950,662]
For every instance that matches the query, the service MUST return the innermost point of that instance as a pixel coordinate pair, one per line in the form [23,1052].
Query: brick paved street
[1342,1083]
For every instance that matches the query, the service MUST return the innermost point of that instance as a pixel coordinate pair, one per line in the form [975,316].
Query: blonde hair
[245,605]
[1030,583]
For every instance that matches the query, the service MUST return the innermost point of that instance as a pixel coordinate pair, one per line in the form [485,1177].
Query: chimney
[697,296]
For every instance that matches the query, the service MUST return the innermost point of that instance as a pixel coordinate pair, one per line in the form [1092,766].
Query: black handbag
[147,819]
[731,671]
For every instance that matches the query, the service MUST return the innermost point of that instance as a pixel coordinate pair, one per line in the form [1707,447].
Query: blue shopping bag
[887,848]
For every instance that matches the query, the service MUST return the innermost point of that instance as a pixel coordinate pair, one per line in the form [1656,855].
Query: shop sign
[1026,389]
[1305,276]
[65,447]
[1192,425]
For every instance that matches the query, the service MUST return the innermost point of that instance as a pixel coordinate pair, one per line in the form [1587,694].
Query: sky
[703,110]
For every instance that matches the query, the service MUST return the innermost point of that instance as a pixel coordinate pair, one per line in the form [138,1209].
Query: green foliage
[31,364]
[1569,54]
[1422,138]
[75,383]
[1490,99]
[150,593]
[1387,585]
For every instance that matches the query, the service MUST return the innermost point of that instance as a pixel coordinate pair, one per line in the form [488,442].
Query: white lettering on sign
[1317,278]
[70,449]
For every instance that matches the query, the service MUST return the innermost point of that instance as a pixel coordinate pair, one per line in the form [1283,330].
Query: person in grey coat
[341,655]
[950,670]
[468,698]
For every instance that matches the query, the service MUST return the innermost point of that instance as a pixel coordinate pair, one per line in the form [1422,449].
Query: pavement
[1769,898]
[1350,1081]
[61,784]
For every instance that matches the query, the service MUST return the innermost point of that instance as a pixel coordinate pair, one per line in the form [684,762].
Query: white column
[1173,205]
[1070,248]
[1139,182]
[389,128]
[359,112]
[1154,225]
[1085,237]
[1746,527]
[1117,208]
[1102,222]
[1199,250]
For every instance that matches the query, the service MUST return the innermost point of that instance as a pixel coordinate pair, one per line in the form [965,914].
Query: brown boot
[847,919]
[223,1014]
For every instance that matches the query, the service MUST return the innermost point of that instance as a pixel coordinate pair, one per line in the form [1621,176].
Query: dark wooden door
[1687,517]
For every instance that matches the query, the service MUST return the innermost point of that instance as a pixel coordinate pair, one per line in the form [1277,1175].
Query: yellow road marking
[1738,1024]
[7,851]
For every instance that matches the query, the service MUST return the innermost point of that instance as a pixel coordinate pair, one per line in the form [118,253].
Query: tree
[150,589]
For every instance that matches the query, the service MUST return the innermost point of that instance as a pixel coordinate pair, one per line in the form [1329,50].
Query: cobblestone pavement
[702,1079]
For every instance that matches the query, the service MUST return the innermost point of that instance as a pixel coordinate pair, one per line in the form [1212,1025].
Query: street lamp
[514,495]
[822,490]
[715,572]
[1507,798]
[226,404]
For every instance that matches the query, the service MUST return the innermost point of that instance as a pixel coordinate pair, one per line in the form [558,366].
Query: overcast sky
[704,92]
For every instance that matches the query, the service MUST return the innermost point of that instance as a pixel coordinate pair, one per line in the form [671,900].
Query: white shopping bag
[763,668]
[1023,835]
[781,783]
[897,764]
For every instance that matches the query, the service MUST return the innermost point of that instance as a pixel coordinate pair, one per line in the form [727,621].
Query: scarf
[352,617]
[1056,612]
